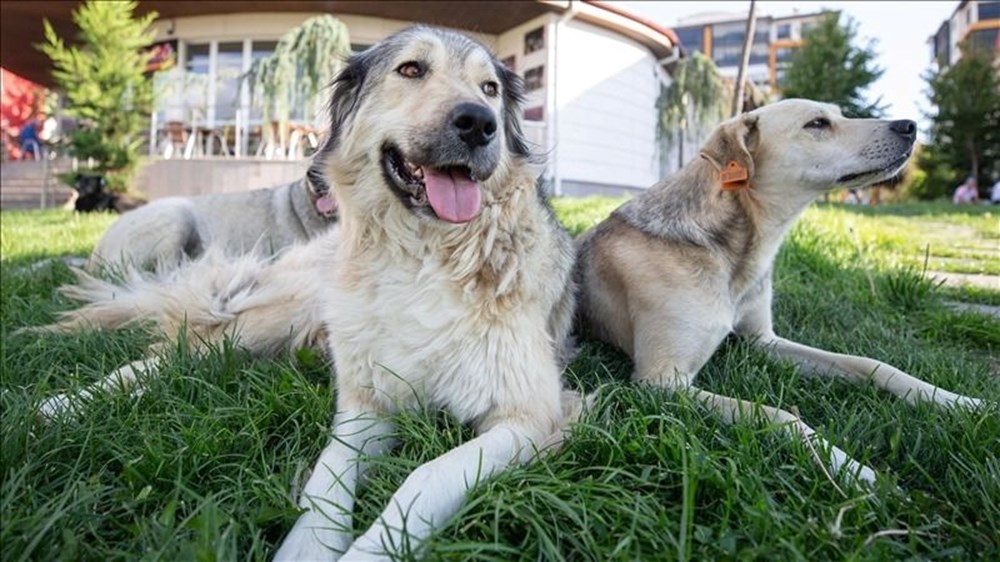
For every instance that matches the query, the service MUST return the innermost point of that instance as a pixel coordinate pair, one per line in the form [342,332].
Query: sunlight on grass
[29,235]
[950,238]
[579,214]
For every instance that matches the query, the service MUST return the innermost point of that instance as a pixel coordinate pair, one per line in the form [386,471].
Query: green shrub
[103,78]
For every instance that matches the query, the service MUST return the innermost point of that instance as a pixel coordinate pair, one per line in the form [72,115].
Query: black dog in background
[92,195]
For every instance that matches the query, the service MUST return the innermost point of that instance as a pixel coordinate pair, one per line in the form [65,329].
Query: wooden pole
[745,60]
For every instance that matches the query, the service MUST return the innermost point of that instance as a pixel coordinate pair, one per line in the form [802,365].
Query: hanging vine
[304,62]
[697,91]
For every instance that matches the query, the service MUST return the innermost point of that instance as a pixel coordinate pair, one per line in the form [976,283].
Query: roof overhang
[658,39]
[21,20]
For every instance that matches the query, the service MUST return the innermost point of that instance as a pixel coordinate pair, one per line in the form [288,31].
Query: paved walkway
[985,309]
[991,282]
[973,279]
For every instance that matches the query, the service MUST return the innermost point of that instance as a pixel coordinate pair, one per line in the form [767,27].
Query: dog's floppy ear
[346,93]
[317,183]
[513,97]
[730,150]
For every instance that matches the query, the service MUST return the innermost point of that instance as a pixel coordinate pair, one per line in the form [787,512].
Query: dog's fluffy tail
[268,304]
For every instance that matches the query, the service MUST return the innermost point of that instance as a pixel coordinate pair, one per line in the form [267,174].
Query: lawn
[205,464]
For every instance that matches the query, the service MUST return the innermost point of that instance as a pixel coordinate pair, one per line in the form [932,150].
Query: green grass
[941,236]
[204,464]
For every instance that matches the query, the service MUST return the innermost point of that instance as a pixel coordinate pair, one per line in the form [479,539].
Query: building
[592,72]
[977,23]
[720,36]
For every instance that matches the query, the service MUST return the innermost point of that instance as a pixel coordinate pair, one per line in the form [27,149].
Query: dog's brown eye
[411,69]
[818,123]
[491,88]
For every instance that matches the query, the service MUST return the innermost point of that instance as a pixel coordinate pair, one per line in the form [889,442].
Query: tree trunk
[973,160]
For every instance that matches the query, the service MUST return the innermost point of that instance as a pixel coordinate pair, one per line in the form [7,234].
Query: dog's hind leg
[669,353]
[756,323]
[127,378]
[734,410]
[323,532]
[862,369]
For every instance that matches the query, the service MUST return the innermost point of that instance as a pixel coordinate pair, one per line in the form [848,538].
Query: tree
[305,61]
[965,121]
[829,67]
[103,79]
[696,91]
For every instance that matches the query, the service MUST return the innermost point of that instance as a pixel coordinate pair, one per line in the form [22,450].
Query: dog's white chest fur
[429,343]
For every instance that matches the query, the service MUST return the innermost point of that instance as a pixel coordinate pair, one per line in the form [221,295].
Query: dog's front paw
[312,538]
[968,402]
[855,472]
[368,549]
[952,400]
[56,407]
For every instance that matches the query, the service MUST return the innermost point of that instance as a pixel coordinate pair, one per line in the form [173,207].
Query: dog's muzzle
[889,155]
[443,173]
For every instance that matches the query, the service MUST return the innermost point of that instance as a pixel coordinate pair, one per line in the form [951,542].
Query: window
[197,59]
[259,50]
[534,40]
[228,70]
[727,44]
[759,50]
[942,46]
[989,11]
[784,54]
[779,77]
[690,38]
[195,90]
[984,40]
[534,79]
[784,31]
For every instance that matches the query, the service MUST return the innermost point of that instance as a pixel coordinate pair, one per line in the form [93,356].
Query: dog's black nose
[904,128]
[476,124]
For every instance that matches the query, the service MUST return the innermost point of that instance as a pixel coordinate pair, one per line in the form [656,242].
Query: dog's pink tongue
[453,196]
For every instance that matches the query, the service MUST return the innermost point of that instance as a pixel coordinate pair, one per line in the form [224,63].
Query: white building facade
[592,75]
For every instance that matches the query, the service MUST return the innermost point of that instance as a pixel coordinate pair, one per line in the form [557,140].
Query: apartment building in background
[720,36]
[977,23]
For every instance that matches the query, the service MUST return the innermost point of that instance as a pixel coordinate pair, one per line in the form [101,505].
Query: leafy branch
[304,62]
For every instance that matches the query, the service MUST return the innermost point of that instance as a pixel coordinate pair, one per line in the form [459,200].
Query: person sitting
[968,192]
[28,139]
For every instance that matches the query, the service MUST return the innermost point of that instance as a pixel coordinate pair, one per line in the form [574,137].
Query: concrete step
[30,204]
[21,184]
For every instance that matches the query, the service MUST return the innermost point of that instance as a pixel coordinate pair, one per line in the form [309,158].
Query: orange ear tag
[734,177]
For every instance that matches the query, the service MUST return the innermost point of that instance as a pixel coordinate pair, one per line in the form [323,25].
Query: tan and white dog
[675,270]
[447,283]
